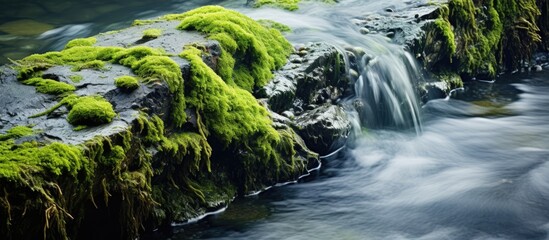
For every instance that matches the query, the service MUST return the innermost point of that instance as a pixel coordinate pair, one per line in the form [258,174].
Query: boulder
[324,129]
[314,75]
[184,140]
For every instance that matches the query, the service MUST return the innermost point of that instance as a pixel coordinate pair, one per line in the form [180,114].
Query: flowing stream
[473,166]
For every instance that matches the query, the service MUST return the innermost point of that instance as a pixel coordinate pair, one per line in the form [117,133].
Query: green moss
[188,153]
[90,111]
[49,86]
[543,23]
[250,51]
[478,43]
[234,117]
[183,145]
[55,158]
[490,34]
[76,56]
[290,5]
[81,42]
[521,33]
[76,78]
[149,63]
[131,55]
[127,83]
[188,174]
[93,64]
[452,79]
[16,132]
[275,25]
[153,68]
[152,33]
[445,29]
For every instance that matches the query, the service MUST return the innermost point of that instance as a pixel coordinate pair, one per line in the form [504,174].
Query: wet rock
[439,86]
[25,101]
[171,40]
[364,30]
[324,129]
[403,25]
[315,76]
[281,92]
[135,144]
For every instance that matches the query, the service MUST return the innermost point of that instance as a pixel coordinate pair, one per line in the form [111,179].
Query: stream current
[474,166]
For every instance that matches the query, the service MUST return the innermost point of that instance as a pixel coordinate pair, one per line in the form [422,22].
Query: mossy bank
[127,132]
[484,38]
[467,39]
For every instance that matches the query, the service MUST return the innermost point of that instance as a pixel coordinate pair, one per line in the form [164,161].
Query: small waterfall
[385,89]
[383,72]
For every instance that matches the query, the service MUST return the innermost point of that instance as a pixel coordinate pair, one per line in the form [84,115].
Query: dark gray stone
[315,74]
[405,26]
[324,129]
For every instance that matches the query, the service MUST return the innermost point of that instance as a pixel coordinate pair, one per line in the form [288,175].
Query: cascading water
[477,171]
[384,73]
[385,94]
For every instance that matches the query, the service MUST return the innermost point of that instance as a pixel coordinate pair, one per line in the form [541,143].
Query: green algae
[521,32]
[50,86]
[128,83]
[543,23]
[452,79]
[152,33]
[250,51]
[91,111]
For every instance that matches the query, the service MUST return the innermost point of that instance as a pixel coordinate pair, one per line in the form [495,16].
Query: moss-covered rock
[488,36]
[170,151]
[250,51]
[230,114]
[475,39]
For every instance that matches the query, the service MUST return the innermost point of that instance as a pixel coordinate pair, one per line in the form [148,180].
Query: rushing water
[473,173]
[471,167]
